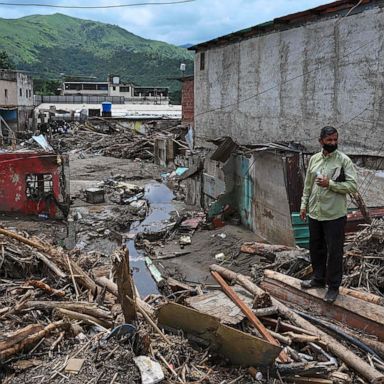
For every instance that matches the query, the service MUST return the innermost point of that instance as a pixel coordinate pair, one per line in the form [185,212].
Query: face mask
[330,147]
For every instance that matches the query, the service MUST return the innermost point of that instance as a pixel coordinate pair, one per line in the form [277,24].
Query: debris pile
[59,323]
[365,259]
[116,141]
[62,323]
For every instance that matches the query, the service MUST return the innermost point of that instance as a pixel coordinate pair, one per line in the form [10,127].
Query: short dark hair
[327,130]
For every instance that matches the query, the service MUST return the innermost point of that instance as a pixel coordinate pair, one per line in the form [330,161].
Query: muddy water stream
[159,198]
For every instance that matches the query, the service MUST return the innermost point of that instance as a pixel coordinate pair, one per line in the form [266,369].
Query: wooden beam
[126,290]
[356,313]
[364,369]
[250,315]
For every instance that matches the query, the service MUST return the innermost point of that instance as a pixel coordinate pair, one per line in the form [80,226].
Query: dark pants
[326,247]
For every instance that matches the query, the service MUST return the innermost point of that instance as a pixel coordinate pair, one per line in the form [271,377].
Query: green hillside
[55,44]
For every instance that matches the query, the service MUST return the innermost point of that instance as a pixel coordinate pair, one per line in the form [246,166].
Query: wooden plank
[217,304]
[239,347]
[250,315]
[364,369]
[348,310]
[126,290]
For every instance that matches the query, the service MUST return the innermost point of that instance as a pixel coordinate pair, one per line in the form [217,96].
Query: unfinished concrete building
[284,79]
[16,99]
[280,82]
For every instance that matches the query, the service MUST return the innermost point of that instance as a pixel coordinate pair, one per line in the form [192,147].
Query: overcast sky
[178,24]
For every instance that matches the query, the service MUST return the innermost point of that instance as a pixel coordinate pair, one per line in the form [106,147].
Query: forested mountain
[54,46]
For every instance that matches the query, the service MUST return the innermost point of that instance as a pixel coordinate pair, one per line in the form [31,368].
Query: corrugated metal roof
[289,21]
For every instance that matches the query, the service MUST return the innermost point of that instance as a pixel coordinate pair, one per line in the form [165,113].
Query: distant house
[285,79]
[113,87]
[16,99]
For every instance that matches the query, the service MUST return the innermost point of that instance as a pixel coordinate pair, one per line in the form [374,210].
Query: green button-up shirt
[328,203]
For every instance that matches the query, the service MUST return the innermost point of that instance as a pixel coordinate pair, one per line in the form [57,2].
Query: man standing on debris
[330,177]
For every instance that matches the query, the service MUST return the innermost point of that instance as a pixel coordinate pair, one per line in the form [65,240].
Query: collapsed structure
[223,304]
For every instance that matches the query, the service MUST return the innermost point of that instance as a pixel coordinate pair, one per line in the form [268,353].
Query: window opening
[39,186]
[202,61]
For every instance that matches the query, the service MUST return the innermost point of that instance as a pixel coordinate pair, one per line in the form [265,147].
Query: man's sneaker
[331,295]
[312,284]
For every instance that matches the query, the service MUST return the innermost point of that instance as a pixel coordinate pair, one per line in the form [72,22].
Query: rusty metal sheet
[294,181]
[224,150]
[348,310]
[239,347]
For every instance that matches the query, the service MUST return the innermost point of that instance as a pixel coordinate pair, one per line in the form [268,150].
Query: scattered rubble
[228,309]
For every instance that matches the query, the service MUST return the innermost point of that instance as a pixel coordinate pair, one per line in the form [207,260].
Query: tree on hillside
[5,61]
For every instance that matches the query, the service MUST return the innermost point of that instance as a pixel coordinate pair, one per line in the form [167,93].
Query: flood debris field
[152,292]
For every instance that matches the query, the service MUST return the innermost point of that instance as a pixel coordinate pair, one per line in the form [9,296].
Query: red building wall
[15,167]
[187,100]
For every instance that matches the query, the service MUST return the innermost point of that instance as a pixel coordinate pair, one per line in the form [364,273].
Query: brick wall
[187,100]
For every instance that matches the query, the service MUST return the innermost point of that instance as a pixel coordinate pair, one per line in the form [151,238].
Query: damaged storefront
[34,183]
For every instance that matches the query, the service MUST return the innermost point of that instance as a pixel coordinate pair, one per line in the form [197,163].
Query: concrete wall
[8,92]
[24,118]
[262,196]
[24,90]
[317,74]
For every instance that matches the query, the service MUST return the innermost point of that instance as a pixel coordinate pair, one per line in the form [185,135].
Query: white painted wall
[20,81]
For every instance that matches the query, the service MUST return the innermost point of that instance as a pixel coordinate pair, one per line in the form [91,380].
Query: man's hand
[322,181]
[303,214]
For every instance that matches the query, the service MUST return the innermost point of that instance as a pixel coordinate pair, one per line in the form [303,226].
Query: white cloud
[194,22]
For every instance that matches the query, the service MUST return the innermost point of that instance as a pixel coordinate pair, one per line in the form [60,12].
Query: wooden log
[286,326]
[282,339]
[376,345]
[262,248]
[300,338]
[108,284]
[83,317]
[269,311]
[250,315]
[25,337]
[8,340]
[45,287]
[364,369]
[112,288]
[51,265]
[369,297]
[311,380]
[80,307]
[58,256]
[307,368]
[125,285]
[356,313]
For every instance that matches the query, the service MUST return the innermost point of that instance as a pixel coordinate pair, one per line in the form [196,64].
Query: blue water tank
[106,106]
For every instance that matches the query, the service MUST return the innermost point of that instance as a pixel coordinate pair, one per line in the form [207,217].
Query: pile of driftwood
[59,323]
[119,142]
[365,259]
[291,261]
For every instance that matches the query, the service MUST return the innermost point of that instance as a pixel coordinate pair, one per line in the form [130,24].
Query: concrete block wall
[262,198]
[287,84]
